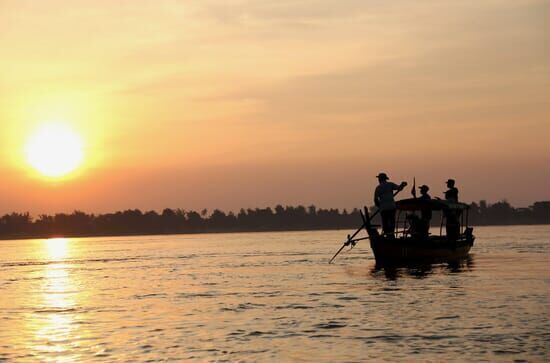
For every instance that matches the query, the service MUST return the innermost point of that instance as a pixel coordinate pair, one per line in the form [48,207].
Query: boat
[412,243]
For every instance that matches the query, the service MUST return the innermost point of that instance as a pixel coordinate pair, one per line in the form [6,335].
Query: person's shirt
[451,195]
[383,195]
[426,213]
[425,197]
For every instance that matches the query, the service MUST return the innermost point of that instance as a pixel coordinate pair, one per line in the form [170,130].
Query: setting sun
[54,150]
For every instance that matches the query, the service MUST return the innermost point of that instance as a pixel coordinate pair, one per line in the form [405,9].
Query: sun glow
[57,248]
[54,150]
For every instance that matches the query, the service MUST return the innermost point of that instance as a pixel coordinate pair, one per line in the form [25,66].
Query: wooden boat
[412,243]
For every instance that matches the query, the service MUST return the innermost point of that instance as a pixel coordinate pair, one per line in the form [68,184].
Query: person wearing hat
[451,195]
[452,226]
[424,189]
[425,213]
[383,199]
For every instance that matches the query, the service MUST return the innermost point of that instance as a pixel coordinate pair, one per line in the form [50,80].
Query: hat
[382,176]
[424,187]
[450,181]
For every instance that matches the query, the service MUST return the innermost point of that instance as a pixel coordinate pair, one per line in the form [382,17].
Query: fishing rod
[350,240]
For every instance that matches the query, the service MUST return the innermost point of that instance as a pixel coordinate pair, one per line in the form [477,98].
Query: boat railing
[403,226]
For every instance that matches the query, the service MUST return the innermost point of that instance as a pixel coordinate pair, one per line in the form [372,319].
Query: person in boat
[420,226]
[425,213]
[451,195]
[451,216]
[383,199]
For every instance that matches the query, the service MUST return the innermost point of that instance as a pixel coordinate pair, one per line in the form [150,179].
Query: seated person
[415,225]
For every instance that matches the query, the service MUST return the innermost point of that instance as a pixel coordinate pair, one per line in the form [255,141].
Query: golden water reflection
[269,297]
[57,248]
[54,329]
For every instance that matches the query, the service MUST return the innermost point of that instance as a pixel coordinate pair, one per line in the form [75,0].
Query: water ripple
[272,297]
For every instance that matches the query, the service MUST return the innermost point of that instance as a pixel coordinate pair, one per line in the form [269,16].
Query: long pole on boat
[350,239]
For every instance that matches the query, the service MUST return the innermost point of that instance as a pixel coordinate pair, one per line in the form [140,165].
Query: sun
[54,150]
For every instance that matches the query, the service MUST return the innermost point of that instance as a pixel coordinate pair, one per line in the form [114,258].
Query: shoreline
[100,235]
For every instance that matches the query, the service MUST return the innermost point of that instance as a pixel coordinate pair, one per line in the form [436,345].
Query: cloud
[442,85]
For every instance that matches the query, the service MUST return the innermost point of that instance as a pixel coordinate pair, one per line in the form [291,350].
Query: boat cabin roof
[431,204]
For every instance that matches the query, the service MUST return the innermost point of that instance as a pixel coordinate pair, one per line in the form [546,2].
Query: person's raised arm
[402,185]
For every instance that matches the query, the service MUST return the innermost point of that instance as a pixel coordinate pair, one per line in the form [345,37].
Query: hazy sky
[228,104]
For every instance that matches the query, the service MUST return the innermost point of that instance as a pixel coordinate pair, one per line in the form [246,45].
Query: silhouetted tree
[131,222]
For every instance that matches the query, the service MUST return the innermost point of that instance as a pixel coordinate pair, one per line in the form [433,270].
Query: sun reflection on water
[54,328]
[57,248]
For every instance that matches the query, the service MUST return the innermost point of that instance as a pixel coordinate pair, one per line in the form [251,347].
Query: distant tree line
[136,222]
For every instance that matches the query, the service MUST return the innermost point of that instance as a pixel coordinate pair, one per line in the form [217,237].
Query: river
[271,297]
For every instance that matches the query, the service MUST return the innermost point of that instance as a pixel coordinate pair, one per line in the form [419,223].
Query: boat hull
[393,251]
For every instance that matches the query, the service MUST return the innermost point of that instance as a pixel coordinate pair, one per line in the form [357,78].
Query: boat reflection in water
[423,270]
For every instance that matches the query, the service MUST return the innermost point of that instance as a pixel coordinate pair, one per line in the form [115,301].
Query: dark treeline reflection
[132,222]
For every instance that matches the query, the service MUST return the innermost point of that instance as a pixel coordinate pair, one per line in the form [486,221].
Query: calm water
[271,297]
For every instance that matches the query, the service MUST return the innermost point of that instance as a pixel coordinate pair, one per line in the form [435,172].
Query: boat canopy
[412,204]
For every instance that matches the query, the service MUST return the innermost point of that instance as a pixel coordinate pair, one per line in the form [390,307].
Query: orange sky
[229,104]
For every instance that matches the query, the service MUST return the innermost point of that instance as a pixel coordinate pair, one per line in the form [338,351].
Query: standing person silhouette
[451,195]
[383,199]
[452,227]
[425,213]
